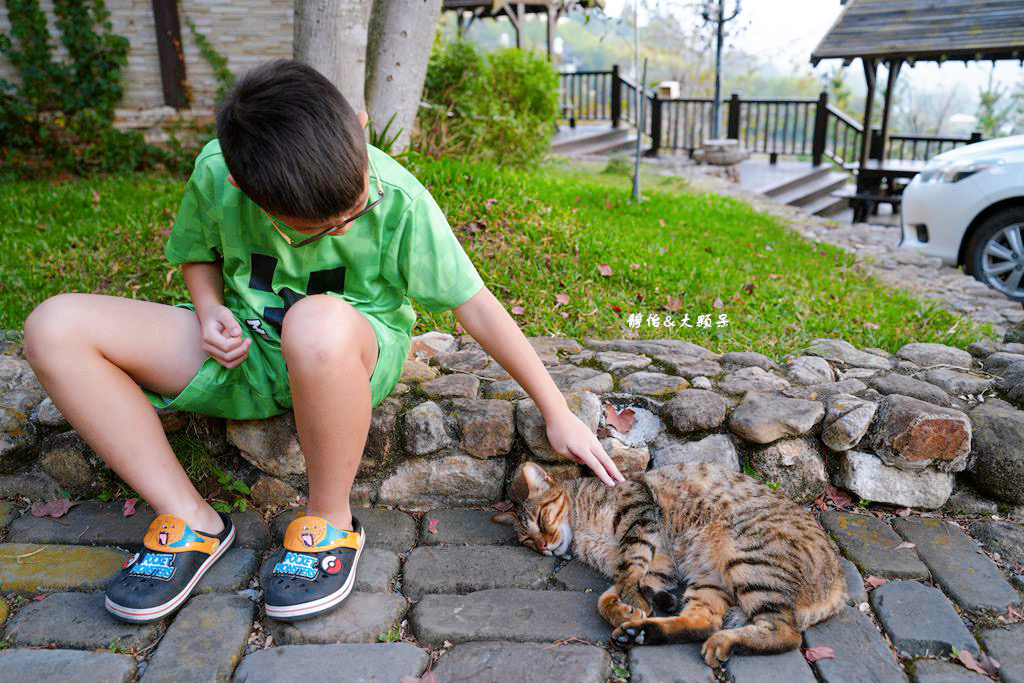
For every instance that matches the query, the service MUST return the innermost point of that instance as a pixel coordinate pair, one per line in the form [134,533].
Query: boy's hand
[573,439]
[222,336]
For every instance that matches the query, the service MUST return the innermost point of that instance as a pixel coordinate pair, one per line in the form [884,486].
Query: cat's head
[542,516]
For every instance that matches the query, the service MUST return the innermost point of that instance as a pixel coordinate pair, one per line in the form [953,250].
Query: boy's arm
[220,332]
[489,323]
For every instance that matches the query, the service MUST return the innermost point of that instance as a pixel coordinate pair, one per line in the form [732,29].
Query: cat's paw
[629,634]
[717,648]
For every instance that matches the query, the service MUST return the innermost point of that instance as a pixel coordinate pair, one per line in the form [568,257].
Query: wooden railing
[795,126]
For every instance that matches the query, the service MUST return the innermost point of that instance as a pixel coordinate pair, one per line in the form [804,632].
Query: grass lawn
[535,238]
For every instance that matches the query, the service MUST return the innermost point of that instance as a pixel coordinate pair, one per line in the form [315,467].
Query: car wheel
[995,253]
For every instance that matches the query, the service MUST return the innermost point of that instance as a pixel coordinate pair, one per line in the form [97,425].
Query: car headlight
[955,171]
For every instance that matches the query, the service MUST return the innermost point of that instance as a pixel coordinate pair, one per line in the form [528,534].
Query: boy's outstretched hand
[222,336]
[573,439]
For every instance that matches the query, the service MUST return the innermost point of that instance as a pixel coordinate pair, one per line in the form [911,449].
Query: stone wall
[905,429]
[245,33]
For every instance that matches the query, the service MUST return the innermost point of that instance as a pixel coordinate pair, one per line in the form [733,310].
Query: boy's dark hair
[292,142]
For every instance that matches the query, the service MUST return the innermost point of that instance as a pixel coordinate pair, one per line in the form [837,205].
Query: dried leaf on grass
[623,421]
[561,299]
[984,664]
[52,508]
[518,310]
[605,270]
[813,654]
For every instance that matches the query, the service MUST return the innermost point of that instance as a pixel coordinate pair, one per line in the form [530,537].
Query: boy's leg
[90,353]
[331,352]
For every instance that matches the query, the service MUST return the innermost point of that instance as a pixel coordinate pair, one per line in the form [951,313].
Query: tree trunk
[398,49]
[330,36]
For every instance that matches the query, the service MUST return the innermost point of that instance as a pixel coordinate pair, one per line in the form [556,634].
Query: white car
[967,208]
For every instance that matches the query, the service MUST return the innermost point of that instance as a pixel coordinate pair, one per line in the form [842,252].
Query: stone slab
[33,666]
[1006,646]
[463,569]
[1005,538]
[871,545]
[669,664]
[920,620]
[251,531]
[854,583]
[204,642]
[787,666]
[861,653]
[231,572]
[466,527]
[577,576]
[361,618]
[76,620]
[376,571]
[7,513]
[45,568]
[938,671]
[498,662]
[391,529]
[373,663]
[958,565]
[513,614]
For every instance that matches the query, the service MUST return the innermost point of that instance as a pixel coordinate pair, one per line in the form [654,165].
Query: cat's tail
[834,600]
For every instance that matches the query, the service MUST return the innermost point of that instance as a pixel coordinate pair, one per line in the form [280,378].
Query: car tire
[998,231]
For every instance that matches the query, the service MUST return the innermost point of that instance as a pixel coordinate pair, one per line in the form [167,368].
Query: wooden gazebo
[516,12]
[895,32]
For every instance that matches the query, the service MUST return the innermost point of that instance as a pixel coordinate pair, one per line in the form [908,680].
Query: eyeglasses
[331,228]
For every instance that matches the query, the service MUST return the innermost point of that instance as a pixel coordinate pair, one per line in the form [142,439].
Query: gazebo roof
[926,30]
[492,8]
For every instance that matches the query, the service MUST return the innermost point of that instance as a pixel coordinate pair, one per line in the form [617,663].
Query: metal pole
[636,41]
[718,74]
[642,99]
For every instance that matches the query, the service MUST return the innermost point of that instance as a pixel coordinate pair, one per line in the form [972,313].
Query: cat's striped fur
[733,541]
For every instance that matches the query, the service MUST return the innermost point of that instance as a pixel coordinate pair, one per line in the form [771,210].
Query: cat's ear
[536,479]
[504,518]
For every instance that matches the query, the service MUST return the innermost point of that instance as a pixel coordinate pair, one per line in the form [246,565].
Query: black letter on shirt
[261,278]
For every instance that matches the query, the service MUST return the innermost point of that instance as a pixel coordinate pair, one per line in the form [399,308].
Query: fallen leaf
[52,508]
[95,199]
[167,279]
[661,222]
[503,505]
[623,421]
[717,303]
[674,304]
[432,525]
[905,512]
[978,665]
[904,545]
[634,266]
[838,497]
[518,310]
[748,288]
[875,581]
[129,507]
[616,309]
[40,598]
[489,203]
[561,299]
[605,270]
[603,432]
[422,349]
[1013,614]
[563,314]
[813,654]
[42,227]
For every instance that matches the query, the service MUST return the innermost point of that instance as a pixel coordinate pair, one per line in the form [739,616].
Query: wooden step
[813,189]
[784,186]
[609,139]
[827,206]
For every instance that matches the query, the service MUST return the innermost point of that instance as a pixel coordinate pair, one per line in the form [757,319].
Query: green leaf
[621,672]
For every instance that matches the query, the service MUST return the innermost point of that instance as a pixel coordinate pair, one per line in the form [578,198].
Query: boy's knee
[49,326]
[319,329]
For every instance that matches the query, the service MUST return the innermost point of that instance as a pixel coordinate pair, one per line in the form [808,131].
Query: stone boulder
[998,466]
[763,418]
[843,352]
[694,410]
[486,426]
[934,354]
[795,465]
[751,378]
[530,422]
[424,429]
[810,370]
[913,434]
[847,420]
[717,449]
[270,445]
[871,479]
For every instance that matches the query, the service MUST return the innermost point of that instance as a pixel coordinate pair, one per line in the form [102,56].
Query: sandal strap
[170,534]
[315,534]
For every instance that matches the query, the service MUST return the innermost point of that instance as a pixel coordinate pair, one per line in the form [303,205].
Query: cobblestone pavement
[467,603]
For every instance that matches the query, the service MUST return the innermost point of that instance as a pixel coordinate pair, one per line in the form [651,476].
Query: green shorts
[258,388]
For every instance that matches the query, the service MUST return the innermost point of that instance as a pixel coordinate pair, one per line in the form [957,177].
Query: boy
[299,244]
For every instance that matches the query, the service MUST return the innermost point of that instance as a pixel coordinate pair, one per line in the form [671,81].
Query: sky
[787,31]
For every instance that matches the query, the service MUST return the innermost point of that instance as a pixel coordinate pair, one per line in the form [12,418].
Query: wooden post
[172,59]
[820,129]
[460,24]
[655,126]
[616,96]
[870,70]
[876,144]
[733,125]
[553,13]
[894,72]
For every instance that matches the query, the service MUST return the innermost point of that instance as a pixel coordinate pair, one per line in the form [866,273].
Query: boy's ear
[231,180]
[363,119]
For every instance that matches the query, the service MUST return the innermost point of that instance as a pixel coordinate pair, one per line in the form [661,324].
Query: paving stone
[577,576]
[7,513]
[854,583]
[871,545]
[1006,646]
[361,618]
[938,671]
[788,666]
[76,620]
[231,572]
[462,569]
[920,620]
[508,614]
[32,666]
[377,569]
[250,530]
[669,664]
[462,526]
[57,567]
[523,663]
[1005,538]
[373,663]
[860,652]
[391,529]
[1019,582]
[958,565]
[204,642]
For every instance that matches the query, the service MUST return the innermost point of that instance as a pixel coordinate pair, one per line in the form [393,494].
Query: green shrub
[497,107]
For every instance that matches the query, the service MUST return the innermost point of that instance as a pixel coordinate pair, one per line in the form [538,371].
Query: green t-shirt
[402,249]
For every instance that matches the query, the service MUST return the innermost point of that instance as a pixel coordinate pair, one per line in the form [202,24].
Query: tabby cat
[732,540]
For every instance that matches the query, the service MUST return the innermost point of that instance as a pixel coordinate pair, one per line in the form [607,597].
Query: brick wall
[246,34]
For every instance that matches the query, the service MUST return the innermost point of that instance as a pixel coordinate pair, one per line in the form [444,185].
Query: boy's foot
[159,578]
[316,570]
